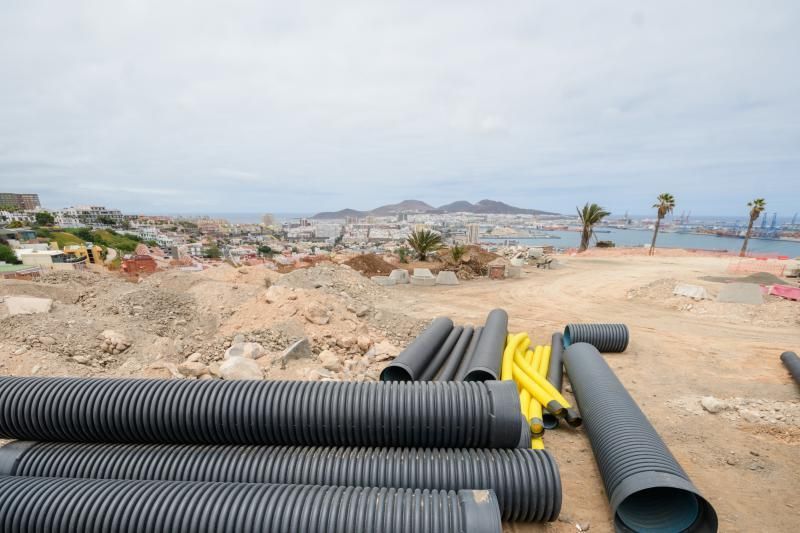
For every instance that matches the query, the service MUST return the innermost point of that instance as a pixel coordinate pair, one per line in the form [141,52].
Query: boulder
[113,342]
[297,350]
[364,342]
[237,367]
[359,310]
[192,368]
[330,361]
[27,305]
[347,341]
[316,314]
[383,351]
[251,350]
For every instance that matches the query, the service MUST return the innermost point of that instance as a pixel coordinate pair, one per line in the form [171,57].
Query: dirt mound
[370,265]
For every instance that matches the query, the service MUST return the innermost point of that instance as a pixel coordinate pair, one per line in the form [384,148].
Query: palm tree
[589,215]
[665,205]
[423,242]
[757,207]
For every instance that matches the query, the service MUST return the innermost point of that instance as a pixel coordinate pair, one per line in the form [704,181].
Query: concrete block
[399,275]
[446,277]
[422,272]
[696,292]
[27,305]
[385,281]
[740,293]
[513,271]
[423,281]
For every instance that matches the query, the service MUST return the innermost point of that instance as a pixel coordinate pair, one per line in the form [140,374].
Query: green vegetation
[105,237]
[7,255]
[14,224]
[43,218]
[457,252]
[108,221]
[589,215]
[266,251]
[402,253]
[64,238]
[757,207]
[213,252]
[665,205]
[424,242]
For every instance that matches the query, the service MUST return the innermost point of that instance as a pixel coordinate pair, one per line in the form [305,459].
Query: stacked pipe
[170,445]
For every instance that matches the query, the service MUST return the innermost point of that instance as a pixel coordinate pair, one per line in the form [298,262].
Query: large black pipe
[421,414]
[606,338]
[526,482]
[792,363]
[448,370]
[555,375]
[488,356]
[411,362]
[467,359]
[647,488]
[441,355]
[58,505]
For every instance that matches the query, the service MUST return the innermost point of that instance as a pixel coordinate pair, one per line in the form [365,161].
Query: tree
[15,224]
[265,250]
[423,242]
[213,252]
[457,252]
[665,205]
[107,220]
[757,207]
[402,254]
[7,255]
[43,218]
[589,216]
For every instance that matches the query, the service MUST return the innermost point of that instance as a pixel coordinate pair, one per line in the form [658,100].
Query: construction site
[703,370]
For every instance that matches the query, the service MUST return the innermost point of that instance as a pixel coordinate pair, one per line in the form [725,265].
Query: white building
[473,233]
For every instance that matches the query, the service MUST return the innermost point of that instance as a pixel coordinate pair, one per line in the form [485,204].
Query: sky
[261,106]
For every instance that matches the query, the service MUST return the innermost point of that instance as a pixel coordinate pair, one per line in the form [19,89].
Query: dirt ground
[744,459]
[680,351]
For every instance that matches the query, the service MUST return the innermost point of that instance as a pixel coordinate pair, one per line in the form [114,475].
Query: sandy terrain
[744,460]
[680,351]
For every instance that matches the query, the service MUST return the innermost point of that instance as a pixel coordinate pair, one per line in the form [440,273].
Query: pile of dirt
[475,263]
[370,265]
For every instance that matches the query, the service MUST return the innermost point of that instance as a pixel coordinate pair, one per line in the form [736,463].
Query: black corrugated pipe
[526,482]
[525,434]
[60,505]
[411,362]
[448,370]
[792,363]
[606,338]
[441,355]
[423,414]
[647,488]
[465,362]
[555,376]
[485,363]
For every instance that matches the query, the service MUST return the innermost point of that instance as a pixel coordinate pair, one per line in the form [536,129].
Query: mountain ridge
[483,207]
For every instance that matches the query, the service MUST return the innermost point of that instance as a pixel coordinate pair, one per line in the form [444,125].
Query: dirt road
[680,351]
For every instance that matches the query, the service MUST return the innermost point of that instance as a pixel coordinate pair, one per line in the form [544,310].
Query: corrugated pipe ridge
[93,505]
[647,488]
[527,482]
[606,338]
[417,414]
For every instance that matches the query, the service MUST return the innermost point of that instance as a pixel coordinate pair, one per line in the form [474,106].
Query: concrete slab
[400,276]
[423,281]
[513,271]
[740,293]
[27,305]
[696,292]
[385,281]
[446,277]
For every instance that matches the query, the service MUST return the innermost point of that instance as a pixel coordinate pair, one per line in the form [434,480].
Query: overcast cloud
[168,106]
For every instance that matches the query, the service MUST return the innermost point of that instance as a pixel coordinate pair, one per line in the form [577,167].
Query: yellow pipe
[545,362]
[512,342]
[537,358]
[537,443]
[537,393]
[533,374]
[524,394]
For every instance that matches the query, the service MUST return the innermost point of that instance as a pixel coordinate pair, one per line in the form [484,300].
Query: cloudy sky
[199,106]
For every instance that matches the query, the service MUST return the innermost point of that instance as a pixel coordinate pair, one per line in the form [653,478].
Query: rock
[47,341]
[364,342]
[239,339]
[238,367]
[321,373]
[251,350]
[330,361]
[346,341]
[156,372]
[316,314]
[195,357]
[358,309]
[584,526]
[712,405]
[113,342]
[82,359]
[192,368]
[298,350]
[27,305]
[20,351]
[383,351]
[750,415]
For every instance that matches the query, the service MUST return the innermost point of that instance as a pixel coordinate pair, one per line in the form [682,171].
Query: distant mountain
[484,207]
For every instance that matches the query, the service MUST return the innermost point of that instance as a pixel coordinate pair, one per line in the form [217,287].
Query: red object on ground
[785,291]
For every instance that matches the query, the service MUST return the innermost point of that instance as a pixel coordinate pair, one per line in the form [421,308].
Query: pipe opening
[567,337]
[660,510]
[395,373]
[549,420]
[479,375]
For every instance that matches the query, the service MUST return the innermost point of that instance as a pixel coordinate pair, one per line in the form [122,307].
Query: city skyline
[248,107]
